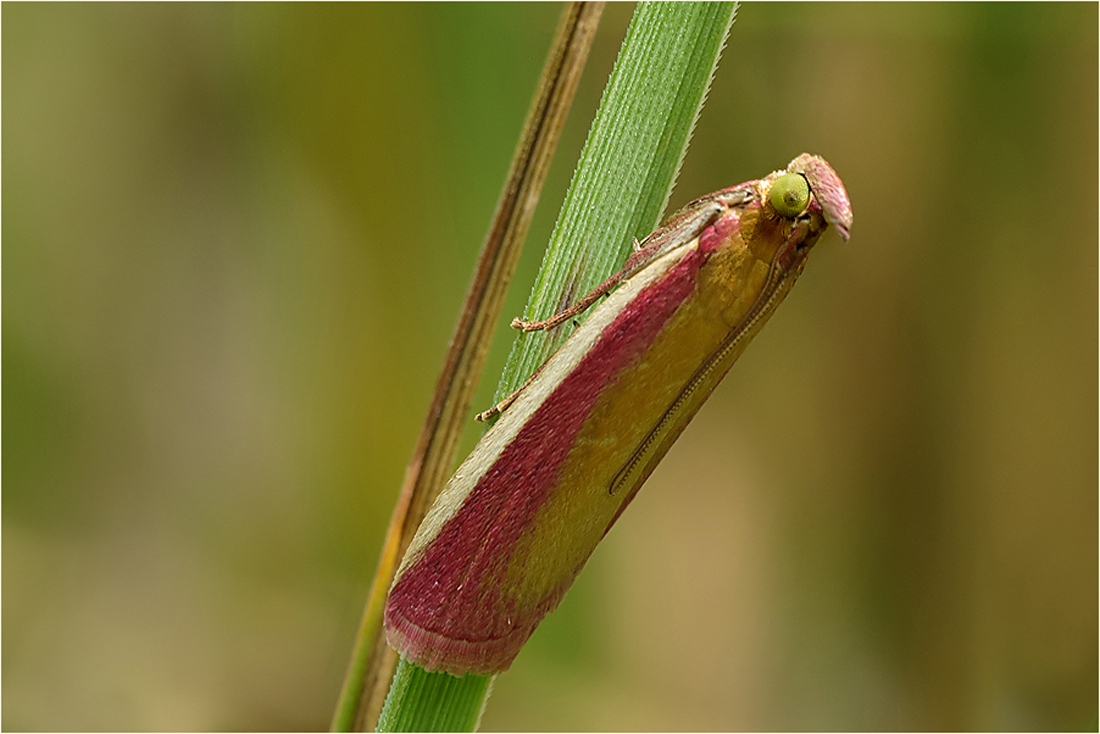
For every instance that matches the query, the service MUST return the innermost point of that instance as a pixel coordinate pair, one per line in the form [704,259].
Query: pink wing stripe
[449,609]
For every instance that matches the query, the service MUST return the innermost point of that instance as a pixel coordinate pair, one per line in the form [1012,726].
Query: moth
[520,517]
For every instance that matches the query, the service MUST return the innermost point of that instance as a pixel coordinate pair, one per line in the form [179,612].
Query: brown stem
[373,661]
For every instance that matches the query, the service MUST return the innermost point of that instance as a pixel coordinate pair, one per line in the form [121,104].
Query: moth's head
[809,184]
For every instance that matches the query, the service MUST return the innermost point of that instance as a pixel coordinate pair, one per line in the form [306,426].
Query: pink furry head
[828,189]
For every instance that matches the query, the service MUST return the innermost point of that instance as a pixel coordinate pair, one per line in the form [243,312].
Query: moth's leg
[679,232]
[504,404]
[577,308]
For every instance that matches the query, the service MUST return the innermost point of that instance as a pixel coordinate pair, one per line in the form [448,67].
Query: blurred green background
[235,241]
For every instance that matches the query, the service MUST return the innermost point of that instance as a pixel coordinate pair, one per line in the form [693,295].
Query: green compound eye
[790,194]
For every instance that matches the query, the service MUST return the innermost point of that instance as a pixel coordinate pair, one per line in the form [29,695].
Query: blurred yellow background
[235,240]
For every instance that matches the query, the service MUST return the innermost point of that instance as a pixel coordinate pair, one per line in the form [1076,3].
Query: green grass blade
[423,701]
[618,192]
[629,162]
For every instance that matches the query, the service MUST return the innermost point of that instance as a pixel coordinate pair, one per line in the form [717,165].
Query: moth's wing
[700,385]
[467,596]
